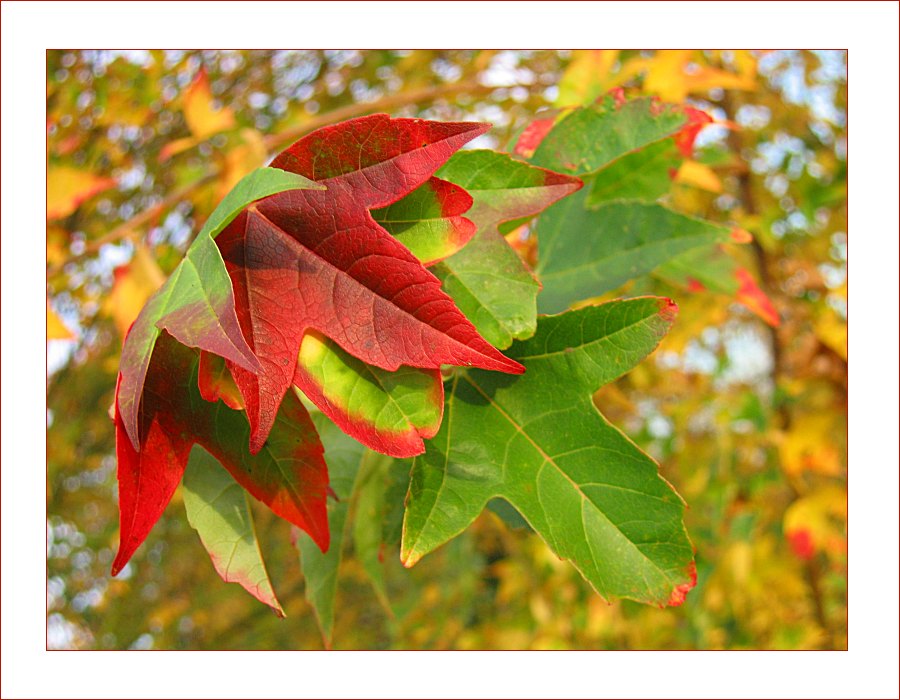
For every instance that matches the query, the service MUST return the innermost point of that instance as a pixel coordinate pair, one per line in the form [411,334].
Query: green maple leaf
[487,279]
[582,485]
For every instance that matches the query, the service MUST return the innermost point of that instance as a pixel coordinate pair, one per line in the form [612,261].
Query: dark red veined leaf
[196,303]
[289,475]
[317,260]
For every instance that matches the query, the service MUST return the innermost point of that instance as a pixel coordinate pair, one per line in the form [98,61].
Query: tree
[694,224]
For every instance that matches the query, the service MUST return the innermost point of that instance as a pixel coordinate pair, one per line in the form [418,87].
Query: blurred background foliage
[745,412]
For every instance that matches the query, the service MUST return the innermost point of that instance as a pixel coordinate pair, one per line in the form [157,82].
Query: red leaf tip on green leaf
[215,383]
[740,235]
[618,95]
[696,120]
[455,202]
[681,590]
[668,310]
[694,285]
[532,136]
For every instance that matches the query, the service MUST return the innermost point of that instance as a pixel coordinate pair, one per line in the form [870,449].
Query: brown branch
[385,104]
[812,570]
[129,228]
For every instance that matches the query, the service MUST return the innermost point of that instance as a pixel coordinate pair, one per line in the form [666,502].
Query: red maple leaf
[290,476]
[317,260]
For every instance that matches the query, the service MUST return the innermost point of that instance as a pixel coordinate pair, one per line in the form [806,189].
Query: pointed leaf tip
[607,493]
[289,475]
[740,235]
[679,594]
[668,309]
[319,261]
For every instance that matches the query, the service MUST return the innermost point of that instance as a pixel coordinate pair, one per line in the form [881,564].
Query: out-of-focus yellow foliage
[588,75]
[68,188]
[675,74]
[56,329]
[817,523]
[203,118]
[134,283]
[830,327]
[810,446]
[243,158]
[693,173]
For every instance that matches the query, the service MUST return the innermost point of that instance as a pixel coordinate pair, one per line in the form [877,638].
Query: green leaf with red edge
[218,510]
[289,474]
[308,260]
[715,270]
[648,172]
[644,174]
[196,304]
[583,253]
[390,412]
[429,220]
[320,569]
[586,139]
[585,488]
[487,279]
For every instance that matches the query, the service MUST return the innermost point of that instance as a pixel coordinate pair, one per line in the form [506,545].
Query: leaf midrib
[595,341]
[549,460]
[565,272]
[371,291]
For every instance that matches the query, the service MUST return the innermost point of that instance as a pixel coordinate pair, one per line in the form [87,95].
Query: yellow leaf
[57,245]
[831,329]
[698,175]
[587,76]
[68,187]
[242,159]
[746,64]
[810,445]
[674,74]
[56,329]
[134,283]
[202,118]
[665,74]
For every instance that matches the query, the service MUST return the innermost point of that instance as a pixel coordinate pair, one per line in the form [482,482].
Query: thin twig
[767,283]
[385,104]
[129,228]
